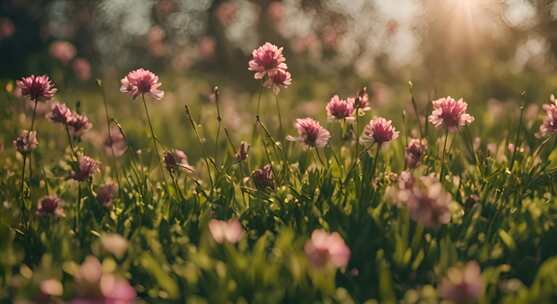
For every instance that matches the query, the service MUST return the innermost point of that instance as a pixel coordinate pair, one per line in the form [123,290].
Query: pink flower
[50,206]
[79,124]
[230,231]
[82,69]
[114,243]
[106,193]
[50,288]
[414,152]
[26,141]
[463,284]
[263,178]
[242,153]
[327,249]
[549,125]
[115,142]
[176,160]
[7,28]
[141,82]
[60,113]
[450,113]
[64,51]
[340,109]
[265,59]
[206,47]
[362,100]
[380,131]
[278,79]
[117,290]
[86,168]
[226,12]
[310,133]
[37,88]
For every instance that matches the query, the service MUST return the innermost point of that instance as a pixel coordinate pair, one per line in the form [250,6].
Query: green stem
[158,155]
[443,154]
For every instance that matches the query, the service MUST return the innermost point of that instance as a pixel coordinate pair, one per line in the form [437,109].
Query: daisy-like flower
[265,59]
[380,131]
[60,113]
[26,141]
[278,79]
[79,124]
[340,109]
[141,82]
[50,206]
[230,231]
[310,133]
[177,160]
[450,113]
[327,249]
[242,153]
[549,125]
[463,284]
[263,178]
[86,168]
[106,193]
[36,88]
[414,152]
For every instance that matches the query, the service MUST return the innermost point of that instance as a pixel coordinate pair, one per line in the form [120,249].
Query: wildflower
[263,178]
[86,168]
[50,206]
[114,243]
[327,249]
[379,130]
[141,82]
[106,193]
[230,231]
[79,124]
[60,113]
[226,12]
[82,69]
[177,160]
[50,288]
[463,284]
[64,51]
[414,152]
[310,133]
[549,125]
[278,79]
[26,141]
[265,59]
[340,109]
[36,88]
[450,114]
[242,153]
[115,142]
[361,101]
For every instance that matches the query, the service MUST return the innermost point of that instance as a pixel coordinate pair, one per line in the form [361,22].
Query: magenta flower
[266,58]
[380,131]
[106,193]
[310,133]
[278,79]
[26,141]
[263,178]
[450,113]
[79,124]
[36,88]
[177,160]
[141,82]
[64,51]
[463,284]
[60,113]
[242,153]
[50,206]
[414,152]
[327,249]
[230,231]
[549,125]
[340,109]
[115,142]
[86,168]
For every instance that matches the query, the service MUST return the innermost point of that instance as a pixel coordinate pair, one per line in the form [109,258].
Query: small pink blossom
[463,284]
[79,124]
[86,168]
[206,47]
[265,59]
[263,178]
[50,206]
[26,141]
[141,82]
[60,113]
[450,113]
[115,244]
[226,12]
[361,102]
[242,153]
[106,193]
[177,160]
[549,125]
[380,131]
[51,288]
[63,51]
[278,79]
[327,249]
[414,152]
[230,231]
[36,88]
[310,133]
[82,69]
[340,109]
[115,143]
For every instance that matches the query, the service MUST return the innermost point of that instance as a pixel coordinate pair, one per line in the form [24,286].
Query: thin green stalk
[158,155]
[107,117]
[443,154]
[194,127]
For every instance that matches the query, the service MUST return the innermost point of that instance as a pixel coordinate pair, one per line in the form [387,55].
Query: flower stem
[156,147]
[443,154]
[107,117]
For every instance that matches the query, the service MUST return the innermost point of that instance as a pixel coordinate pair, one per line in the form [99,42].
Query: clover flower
[230,231]
[327,249]
[37,88]
[340,109]
[450,113]
[380,131]
[141,82]
[310,133]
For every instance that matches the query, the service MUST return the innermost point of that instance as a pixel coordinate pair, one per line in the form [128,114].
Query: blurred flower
[392,26]
[276,11]
[340,109]
[450,113]
[327,249]
[177,160]
[242,153]
[50,206]
[265,59]
[263,178]
[86,168]
[114,243]
[226,12]
[37,88]
[463,284]
[115,142]
[51,287]
[82,69]
[415,151]
[60,113]
[230,231]
[206,47]
[106,193]
[278,79]
[63,51]
[7,28]
[549,125]
[155,41]
[79,124]
[141,82]
[26,141]
[117,290]
[310,133]
[379,130]
[361,102]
